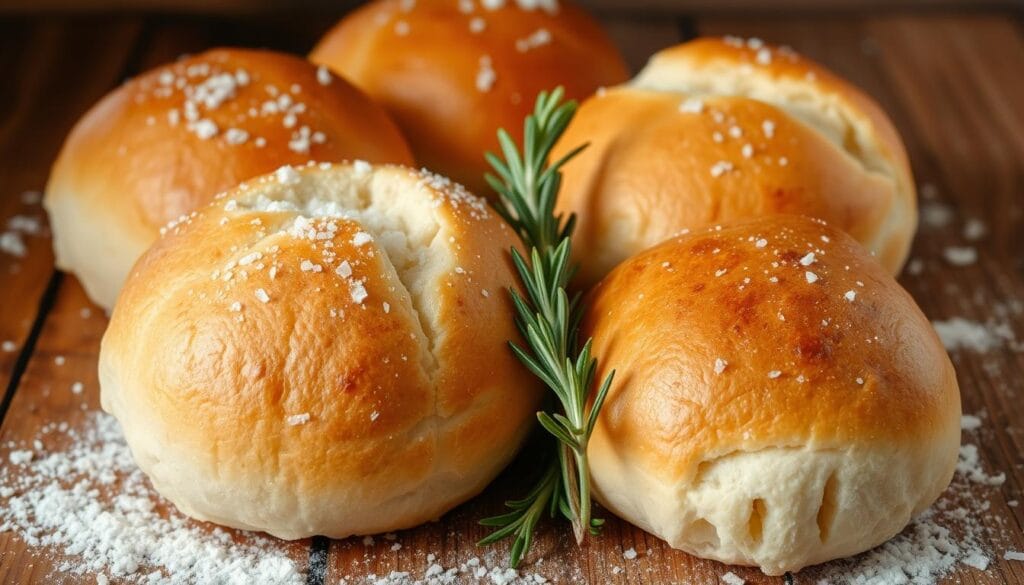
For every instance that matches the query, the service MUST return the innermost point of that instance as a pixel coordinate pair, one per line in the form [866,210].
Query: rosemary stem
[583,464]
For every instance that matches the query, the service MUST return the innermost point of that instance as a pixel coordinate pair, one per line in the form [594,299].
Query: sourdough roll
[451,72]
[779,400]
[322,351]
[166,142]
[720,129]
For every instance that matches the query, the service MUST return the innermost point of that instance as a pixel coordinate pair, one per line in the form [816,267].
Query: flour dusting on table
[90,502]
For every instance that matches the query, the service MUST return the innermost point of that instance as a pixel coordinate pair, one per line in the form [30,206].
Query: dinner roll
[322,351]
[779,400]
[166,142]
[451,72]
[714,130]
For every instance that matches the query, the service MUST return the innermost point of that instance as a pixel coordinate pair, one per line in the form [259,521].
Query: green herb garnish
[549,321]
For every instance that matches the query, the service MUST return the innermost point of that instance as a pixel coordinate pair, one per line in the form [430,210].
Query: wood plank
[43,93]
[639,38]
[451,544]
[964,99]
[60,385]
[972,166]
[974,161]
[284,7]
[65,353]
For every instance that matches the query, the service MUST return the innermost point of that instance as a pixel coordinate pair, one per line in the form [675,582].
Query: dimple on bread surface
[723,129]
[322,351]
[779,400]
[166,142]
[452,72]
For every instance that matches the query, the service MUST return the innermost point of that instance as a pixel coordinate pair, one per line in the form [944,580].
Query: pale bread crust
[414,401]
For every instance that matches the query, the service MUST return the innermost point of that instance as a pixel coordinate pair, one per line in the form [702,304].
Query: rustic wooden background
[951,74]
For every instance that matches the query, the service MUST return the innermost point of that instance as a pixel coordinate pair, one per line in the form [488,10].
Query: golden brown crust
[241,318]
[788,65]
[844,360]
[425,63]
[706,133]
[143,156]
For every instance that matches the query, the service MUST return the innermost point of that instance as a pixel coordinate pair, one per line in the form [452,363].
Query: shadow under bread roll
[164,143]
[452,72]
[723,129]
[322,351]
[779,400]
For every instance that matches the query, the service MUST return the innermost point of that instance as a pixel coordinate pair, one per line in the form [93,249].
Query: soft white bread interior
[720,129]
[779,400]
[166,142]
[452,72]
[322,351]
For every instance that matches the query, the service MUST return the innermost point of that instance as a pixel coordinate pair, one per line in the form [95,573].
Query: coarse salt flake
[287,175]
[205,129]
[720,168]
[236,136]
[811,277]
[294,420]
[485,75]
[538,38]
[960,255]
[358,292]
[323,75]
[720,365]
[361,168]
[969,422]
[20,457]
[692,105]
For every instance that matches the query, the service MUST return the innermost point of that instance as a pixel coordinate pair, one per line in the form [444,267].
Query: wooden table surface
[952,80]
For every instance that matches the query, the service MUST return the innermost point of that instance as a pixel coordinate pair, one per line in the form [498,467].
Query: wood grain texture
[48,393]
[965,153]
[256,7]
[42,95]
[951,81]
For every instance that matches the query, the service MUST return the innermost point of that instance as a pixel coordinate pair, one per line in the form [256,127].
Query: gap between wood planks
[45,305]
[49,295]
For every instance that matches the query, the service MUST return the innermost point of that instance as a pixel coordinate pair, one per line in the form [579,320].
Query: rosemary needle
[548,318]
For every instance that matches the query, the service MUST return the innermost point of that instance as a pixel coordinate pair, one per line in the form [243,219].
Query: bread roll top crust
[722,129]
[330,342]
[452,72]
[166,142]
[774,332]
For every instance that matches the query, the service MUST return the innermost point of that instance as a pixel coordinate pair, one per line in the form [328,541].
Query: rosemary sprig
[548,319]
